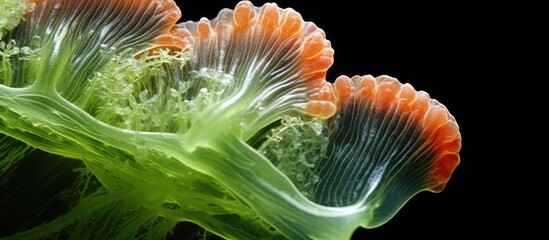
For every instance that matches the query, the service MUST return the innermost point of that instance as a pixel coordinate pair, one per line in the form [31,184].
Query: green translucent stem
[106,150]
[223,157]
[272,195]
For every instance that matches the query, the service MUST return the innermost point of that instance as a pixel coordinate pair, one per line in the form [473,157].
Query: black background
[485,64]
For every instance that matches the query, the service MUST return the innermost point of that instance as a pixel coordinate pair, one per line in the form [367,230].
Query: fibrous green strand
[295,147]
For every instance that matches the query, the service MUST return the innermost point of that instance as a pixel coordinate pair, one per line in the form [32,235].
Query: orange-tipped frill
[172,37]
[437,128]
[388,142]
[266,47]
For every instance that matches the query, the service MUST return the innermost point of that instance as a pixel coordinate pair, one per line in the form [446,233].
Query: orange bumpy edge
[318,56]
[438,126]
[442,128]
[172,37]
[315,52]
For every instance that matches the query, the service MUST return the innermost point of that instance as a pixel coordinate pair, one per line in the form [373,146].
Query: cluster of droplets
[295,147]
[153,92]
[10,50]
[205,87]
[216,80]
[11,14]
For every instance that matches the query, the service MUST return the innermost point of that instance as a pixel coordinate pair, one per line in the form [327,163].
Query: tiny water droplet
[316,178]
